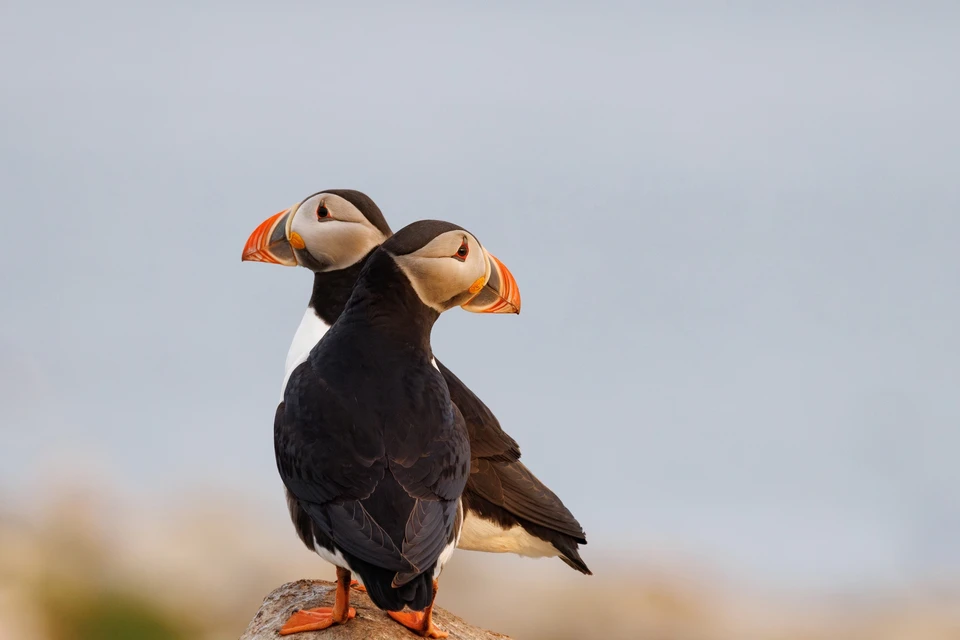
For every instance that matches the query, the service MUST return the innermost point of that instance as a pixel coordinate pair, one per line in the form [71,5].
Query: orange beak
[500,294]
[269,243]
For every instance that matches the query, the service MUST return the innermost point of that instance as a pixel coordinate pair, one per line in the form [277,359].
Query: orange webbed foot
[420,622]
[313,620]
[355,584]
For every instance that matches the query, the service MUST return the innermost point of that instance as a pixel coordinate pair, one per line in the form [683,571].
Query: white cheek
[457,277]
[315,235]
[338,244]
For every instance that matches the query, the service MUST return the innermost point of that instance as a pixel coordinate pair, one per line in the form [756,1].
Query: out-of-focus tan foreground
[85,567]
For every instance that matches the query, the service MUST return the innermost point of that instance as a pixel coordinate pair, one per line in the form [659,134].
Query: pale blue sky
[735,232]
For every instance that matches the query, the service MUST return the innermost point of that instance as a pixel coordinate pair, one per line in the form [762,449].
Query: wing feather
[513,487]
[427,533]
[356,532]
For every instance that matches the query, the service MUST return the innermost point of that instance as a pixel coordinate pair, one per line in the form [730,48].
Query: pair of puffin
[389,461]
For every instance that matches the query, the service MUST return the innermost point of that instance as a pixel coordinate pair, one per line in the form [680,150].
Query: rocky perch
[370,624]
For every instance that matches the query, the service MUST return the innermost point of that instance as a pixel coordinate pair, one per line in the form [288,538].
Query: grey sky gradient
[735,232]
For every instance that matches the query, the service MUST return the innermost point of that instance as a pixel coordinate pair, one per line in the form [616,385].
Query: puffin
[372,451]
[507,509]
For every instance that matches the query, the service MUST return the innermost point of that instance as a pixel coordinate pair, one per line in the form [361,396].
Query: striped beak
[269,243]
[500,294]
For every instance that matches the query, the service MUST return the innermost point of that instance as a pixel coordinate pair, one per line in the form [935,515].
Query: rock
[370,624]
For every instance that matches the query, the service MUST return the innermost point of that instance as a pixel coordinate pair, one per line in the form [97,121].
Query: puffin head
[328,231]
[448,267]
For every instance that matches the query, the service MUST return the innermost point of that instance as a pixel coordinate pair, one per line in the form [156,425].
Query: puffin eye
[322,212]
[462,252]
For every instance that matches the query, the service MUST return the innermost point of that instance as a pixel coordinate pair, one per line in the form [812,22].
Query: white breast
[308,334]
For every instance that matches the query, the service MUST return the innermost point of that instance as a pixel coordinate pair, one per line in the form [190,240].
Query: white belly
[483,535]
[334,557]
[448,550]
[308,334]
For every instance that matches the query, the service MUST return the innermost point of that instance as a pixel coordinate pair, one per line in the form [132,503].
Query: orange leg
[420,622]
[323,617]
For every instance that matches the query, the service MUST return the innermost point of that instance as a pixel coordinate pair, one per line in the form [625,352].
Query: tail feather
[417,593]
[572,557]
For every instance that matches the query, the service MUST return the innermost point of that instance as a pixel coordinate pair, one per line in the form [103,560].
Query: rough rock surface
[370,624]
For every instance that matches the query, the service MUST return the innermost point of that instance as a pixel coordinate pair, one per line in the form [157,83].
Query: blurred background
[736,233]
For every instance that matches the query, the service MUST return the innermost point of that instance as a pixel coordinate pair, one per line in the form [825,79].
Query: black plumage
[500,488]
[372,451]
